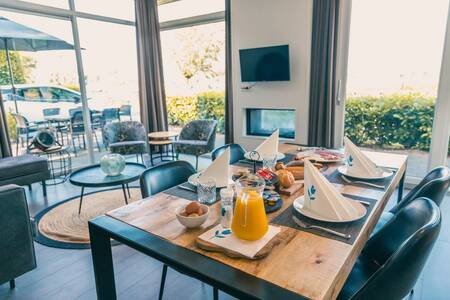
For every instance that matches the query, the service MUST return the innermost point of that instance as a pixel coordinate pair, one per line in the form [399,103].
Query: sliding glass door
[393,63]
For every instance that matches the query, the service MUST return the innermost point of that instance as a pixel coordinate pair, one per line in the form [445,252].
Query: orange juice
[249,220]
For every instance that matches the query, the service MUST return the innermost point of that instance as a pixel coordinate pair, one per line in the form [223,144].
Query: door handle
[338,92]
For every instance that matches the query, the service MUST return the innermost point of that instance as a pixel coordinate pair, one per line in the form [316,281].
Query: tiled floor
[67,274]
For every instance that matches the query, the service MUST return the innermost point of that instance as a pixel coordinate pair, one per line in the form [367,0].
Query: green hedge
[391,121]
[207,105]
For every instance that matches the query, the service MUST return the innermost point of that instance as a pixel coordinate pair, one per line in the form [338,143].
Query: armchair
[16,238]
[196,138]
[126,138]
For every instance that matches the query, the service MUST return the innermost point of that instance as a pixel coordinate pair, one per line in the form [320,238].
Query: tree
[199,54]
[21,66]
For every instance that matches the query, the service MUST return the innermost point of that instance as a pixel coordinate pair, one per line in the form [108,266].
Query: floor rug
[61,226]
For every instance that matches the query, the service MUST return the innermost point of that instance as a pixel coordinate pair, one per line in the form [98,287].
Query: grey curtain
[323,73]
[151,80]
[229,130]
[5,145]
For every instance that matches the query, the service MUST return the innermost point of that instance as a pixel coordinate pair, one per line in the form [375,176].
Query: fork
[362,182]
[306,226]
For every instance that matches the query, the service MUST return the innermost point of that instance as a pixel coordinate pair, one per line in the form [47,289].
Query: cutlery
[362,202]
[362,182]
[306,226]
[187,188]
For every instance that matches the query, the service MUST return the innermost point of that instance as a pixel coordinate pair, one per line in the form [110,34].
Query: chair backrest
[199,130]
[51,111]
[236,152]
[125,109]
[21,121]
[433,186]
[124,131]
[400,249]
[72,111]
[110,114]
[165,176]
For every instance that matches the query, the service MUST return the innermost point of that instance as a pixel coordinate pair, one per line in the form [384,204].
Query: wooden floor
[67,274]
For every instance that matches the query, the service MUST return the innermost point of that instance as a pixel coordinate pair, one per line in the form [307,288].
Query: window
[188,8]
[120,9]
[30,94]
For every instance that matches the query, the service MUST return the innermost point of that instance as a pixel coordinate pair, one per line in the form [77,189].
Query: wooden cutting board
[284,235]
[297,186]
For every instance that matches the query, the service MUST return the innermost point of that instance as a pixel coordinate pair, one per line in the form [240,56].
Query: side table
[162,140]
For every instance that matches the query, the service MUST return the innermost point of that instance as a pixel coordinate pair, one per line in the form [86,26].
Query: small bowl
[192,222]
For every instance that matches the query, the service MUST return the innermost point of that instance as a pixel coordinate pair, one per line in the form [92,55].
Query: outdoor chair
[109,115]
[25,131]
[196,138]
[125,138]
[125,111]
[76,129]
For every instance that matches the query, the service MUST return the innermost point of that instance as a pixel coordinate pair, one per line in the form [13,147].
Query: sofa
[17,254]
[24,170]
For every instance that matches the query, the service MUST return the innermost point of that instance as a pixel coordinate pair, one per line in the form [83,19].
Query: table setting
[235,224]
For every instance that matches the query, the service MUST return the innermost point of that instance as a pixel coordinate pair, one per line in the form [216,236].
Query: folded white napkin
[226,239]
[219,169]
[358,164]
[323,199]
[269,146]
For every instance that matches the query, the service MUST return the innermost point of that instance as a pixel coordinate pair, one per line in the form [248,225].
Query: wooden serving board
[297,186]
[284,235]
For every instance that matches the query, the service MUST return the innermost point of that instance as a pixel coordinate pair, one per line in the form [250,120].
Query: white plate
[317,158]
[298,206]
[193,179]
[344,171]
[280,156]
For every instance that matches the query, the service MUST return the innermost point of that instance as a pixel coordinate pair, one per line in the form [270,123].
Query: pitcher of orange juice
[249,220]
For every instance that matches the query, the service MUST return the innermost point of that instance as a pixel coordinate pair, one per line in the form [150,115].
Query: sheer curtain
[229,129]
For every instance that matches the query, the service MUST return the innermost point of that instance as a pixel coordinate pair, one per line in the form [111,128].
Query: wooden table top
[310,265]
[162,134]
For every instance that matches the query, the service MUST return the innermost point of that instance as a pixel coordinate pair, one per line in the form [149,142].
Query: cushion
[128,147]
[17,166]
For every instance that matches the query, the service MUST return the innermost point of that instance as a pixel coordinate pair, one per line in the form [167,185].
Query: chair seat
[191,142]
[361,272]
[11,167]
[385,217]
[128,147]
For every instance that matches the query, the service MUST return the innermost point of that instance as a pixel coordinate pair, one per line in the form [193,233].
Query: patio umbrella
[17,37]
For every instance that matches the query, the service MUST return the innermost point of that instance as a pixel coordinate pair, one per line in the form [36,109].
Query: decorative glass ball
[112,164]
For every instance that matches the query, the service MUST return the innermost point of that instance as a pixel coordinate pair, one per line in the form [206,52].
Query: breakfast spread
[322,155]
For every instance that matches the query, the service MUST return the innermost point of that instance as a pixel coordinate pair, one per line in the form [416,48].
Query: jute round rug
[61,226]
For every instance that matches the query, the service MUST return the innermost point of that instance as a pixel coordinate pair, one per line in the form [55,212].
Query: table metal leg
[103,264]
[124,193]
[81,199]
[128,190]
[400,188]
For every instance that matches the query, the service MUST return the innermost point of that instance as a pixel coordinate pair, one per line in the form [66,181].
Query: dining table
[304,264]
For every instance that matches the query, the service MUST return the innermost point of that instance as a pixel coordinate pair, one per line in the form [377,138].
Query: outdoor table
[306,265]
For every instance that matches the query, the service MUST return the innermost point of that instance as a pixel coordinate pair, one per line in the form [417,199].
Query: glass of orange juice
[249,220]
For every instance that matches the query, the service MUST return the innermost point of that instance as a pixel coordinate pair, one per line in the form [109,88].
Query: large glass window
[392,79]
[194,74]
[120,9]
[188,8]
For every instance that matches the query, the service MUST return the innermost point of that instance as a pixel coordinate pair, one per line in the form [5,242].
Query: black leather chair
[160,178]
[165,176]
[433,186]
[236,152]
[393,258]
[16,239]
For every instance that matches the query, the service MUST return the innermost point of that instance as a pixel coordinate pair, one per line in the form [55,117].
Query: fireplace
[263,121]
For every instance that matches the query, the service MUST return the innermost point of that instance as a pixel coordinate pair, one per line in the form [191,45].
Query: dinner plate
[193,179]
[316,156]
[298,206]
[280,156]
[344,171]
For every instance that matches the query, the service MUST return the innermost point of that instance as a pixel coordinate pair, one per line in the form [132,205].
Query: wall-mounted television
[265,64]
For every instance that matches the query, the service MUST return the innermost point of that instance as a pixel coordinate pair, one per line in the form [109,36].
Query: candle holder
[254,157]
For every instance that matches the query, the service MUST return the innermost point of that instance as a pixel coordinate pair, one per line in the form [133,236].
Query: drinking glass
[206,190]
[269,161]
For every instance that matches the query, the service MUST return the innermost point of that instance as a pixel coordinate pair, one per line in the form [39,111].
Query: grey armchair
[196,138]
[129,137]
[16,239]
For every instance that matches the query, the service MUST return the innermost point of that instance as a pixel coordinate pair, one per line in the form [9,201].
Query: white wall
[259,23]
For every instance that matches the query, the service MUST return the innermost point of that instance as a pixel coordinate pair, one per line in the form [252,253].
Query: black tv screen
[265,64]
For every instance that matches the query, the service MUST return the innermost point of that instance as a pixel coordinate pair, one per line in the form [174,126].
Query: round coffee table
[162,139]
[93,177]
